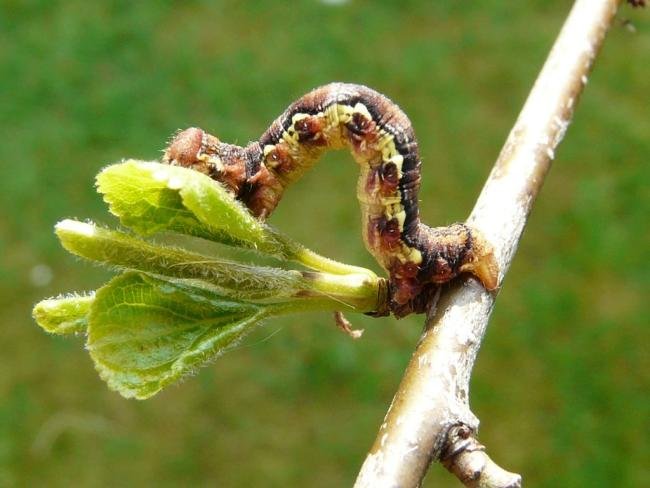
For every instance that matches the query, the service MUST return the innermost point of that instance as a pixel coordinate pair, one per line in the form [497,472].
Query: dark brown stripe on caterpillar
[381,139]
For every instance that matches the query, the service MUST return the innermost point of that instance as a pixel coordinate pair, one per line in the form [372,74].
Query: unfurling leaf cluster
[172,309]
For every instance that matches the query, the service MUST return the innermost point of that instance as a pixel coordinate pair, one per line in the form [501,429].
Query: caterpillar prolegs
[381,139]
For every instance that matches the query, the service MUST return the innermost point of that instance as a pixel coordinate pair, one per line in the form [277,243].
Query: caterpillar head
[196,149]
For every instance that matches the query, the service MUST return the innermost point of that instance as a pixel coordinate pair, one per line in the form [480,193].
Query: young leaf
[213,205]
[143,202]
[65,315]
[145,332]
[150,197]
[358,292]
[234,279]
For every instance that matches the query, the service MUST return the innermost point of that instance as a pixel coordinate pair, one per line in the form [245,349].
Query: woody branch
[429,418]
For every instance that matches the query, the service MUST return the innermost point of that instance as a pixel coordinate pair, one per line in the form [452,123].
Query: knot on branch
[465,457]
[460,437]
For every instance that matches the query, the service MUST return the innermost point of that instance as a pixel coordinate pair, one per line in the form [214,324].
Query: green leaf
[145,332]
[234,279]
[64,315]
[213,205]
[143,202]
[150,197]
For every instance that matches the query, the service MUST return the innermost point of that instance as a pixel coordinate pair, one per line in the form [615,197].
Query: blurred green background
[562,381]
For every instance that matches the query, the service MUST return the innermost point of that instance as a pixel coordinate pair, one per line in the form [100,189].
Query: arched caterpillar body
[381,139]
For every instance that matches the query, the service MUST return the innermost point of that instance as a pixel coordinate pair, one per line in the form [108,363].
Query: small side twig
[466,458]
[429,418]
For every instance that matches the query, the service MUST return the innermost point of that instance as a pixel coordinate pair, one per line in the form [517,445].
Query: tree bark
[429,418]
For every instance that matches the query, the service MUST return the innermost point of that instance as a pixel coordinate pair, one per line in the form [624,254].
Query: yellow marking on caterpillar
[397,160]
[415,256]
[395,211]
[332,114]
[388,151]
[290,136]
[344,113]
[409,255]
[297,118]
[360,108]
[392,200]
[384,139]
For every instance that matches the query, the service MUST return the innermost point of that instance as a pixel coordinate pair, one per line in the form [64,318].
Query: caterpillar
[418,258]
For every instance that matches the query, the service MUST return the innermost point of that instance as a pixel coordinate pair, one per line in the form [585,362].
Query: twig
[429,418]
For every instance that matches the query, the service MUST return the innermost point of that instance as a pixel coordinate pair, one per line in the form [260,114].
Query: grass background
[561,383]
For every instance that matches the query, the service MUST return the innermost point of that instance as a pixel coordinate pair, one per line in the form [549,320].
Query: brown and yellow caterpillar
[381,139]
